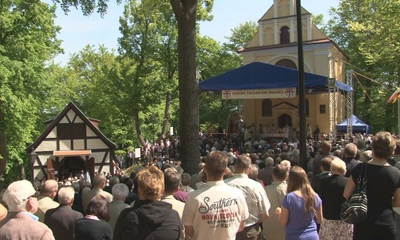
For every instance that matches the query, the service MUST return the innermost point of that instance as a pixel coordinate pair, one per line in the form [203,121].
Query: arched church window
[267,108]
[285,35]
[286,63]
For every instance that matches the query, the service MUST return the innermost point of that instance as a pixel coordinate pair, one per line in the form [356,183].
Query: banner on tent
[259,93]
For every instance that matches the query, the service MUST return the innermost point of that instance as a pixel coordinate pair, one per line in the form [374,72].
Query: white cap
[18,192]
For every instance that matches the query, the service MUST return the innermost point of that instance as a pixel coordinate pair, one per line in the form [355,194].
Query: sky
[78,31]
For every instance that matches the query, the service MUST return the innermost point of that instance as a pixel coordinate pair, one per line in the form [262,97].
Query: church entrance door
[284,119]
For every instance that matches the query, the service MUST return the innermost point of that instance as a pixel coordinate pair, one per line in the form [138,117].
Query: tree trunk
[185,13]
[137,127]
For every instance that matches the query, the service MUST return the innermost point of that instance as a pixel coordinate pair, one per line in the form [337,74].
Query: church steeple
[283,8]
[278,26]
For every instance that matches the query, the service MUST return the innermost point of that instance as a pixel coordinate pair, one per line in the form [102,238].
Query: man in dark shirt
[114,180]
[350,151]
[132,196]
[265,174]
[61,220]
[323,151]
[325,168]
[316,133]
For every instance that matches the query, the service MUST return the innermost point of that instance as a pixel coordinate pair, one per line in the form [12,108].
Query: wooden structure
[71,144]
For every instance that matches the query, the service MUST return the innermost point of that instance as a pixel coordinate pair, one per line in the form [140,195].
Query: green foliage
[241,36]
[149,49]
[214,60]
[204,7]
[186,13]
[101,6]
[87,6]
[93,74]
[366,31]
[106,86]
[138,46]
[27,41]
[318,21]
[378,27]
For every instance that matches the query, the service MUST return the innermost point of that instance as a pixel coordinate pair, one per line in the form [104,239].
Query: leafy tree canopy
[27,42]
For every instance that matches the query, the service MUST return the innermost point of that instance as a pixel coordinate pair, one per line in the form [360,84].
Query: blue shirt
[34,217]
[301,225]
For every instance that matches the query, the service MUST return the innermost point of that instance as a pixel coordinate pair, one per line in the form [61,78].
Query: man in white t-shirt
[256,198]
[215,210]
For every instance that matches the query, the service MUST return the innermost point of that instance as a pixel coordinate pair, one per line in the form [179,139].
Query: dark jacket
[316,181]
[265,175]
[88,229]
[148,220]
[77,205]
[331,194]
[350,165]
[61,221]
[132,196]
[317,162]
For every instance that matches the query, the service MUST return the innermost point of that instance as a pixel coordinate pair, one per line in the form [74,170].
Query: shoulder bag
[355,209]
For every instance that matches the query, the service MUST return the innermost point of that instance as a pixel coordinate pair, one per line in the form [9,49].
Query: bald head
[49,188]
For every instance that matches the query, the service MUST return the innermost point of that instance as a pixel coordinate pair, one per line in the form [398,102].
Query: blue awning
[259,75]
[356,123]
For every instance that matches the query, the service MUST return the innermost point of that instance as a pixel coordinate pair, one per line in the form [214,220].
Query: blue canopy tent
[358,125]
[259,75]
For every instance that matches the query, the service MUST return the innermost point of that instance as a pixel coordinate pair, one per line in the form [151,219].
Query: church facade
[276,43]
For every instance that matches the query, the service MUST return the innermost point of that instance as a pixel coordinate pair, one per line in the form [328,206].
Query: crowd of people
[243,190]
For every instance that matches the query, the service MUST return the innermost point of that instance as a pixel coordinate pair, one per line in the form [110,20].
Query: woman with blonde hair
[383,190]
[331,194]
[149,218]
[301,208]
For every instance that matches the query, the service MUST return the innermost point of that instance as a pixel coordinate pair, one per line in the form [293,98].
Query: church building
[276,43]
